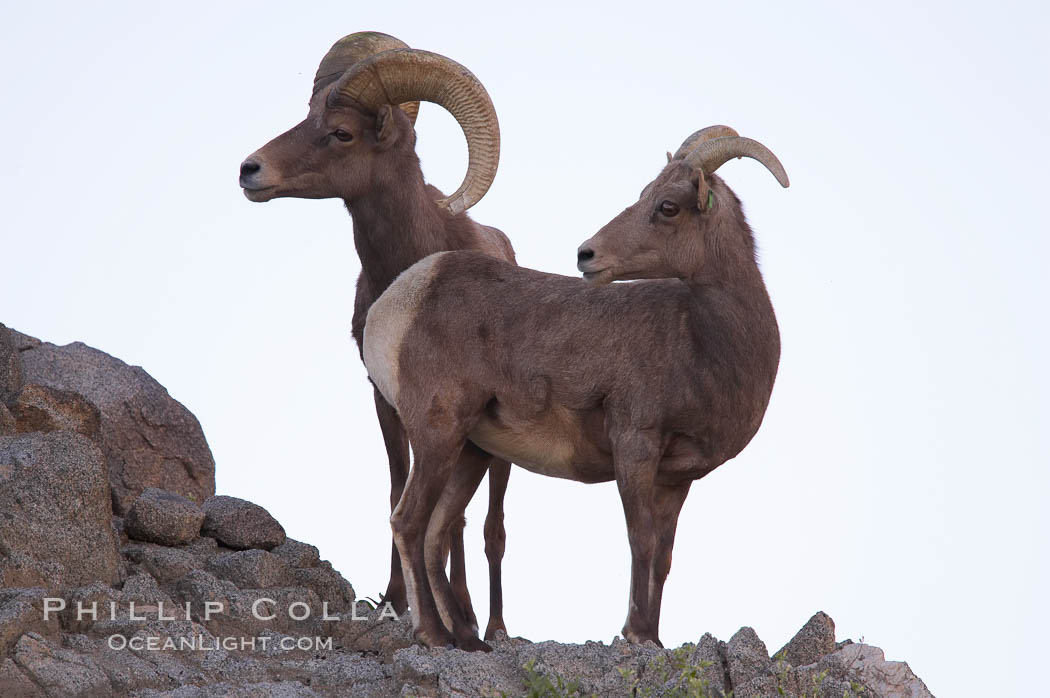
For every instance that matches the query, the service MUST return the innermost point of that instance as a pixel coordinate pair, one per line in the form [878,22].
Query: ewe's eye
[669,208]
[344,136]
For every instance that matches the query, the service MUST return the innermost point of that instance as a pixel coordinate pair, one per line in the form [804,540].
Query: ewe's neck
[395,226]
[731,283]
[729,249]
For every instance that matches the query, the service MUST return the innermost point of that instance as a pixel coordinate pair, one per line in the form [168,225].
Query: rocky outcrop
[178,593]
[147,438]
[816,639]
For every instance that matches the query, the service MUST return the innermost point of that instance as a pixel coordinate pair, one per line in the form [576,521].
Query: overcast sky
[900,479]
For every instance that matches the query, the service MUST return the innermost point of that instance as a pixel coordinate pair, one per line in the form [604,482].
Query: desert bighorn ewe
[653,384]
[357,145]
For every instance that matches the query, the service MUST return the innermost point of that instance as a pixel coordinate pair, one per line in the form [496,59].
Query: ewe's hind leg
[667,505]
[464,481]
[495,543]
[426,482]
[397,452]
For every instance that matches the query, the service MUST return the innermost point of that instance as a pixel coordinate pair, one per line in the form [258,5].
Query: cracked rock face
[11,379]
[56,530]
[39,408]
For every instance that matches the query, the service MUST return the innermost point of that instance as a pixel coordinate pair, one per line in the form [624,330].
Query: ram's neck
[395,226]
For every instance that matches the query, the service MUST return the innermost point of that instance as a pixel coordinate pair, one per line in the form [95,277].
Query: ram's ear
[386,125]
[669,157]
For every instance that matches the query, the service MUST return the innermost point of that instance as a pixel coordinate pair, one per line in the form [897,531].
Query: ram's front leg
[636,456]
[495,544]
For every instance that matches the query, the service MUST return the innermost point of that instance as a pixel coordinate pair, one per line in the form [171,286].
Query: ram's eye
[344,136]
[669,208]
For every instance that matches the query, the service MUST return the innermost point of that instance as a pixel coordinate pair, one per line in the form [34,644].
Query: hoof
[641,637]
[471,643]
[490,632]
[434,638]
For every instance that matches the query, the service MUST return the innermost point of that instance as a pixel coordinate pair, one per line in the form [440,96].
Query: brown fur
[653,384]
[396,223]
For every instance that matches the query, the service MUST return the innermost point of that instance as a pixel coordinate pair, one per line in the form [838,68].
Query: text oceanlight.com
[155,643]
[262,608]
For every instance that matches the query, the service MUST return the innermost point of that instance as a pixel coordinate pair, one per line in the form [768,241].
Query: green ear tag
[710,199]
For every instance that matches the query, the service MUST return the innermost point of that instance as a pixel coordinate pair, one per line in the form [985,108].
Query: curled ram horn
[352,49]
[405,74]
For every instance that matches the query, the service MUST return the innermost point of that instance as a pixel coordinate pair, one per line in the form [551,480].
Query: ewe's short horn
[352,49]
[704,134]
[405,74]
[712,154]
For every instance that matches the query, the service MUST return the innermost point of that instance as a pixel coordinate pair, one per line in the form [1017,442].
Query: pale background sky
[900,479]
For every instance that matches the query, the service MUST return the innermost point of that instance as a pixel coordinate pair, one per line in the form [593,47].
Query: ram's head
[360,124]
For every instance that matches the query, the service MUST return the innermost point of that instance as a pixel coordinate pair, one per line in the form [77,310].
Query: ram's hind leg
[397,451]
[496,543]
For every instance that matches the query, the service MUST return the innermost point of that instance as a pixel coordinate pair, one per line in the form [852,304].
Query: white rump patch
[389,319]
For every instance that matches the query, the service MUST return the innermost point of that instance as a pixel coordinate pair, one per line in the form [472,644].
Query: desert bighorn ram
[357,145]
[653,384]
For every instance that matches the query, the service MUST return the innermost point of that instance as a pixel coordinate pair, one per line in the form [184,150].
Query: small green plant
[370,602]
[783,669]
[677,677]
[540,685]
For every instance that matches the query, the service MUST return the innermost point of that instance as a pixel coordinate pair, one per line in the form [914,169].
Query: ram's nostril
[585,255]
[249,167]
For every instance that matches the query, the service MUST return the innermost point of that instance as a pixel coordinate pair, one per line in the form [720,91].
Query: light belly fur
[544,446]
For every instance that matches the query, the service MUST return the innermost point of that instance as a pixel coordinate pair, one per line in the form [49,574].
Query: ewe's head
[360,126]
[684,218]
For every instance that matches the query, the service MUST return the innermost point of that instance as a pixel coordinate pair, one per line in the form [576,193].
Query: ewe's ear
[704,195]
[386,125]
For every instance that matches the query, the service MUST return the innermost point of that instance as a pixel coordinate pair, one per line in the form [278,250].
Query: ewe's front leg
[667,505]
[636,456]
[458,567]
[410,520]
